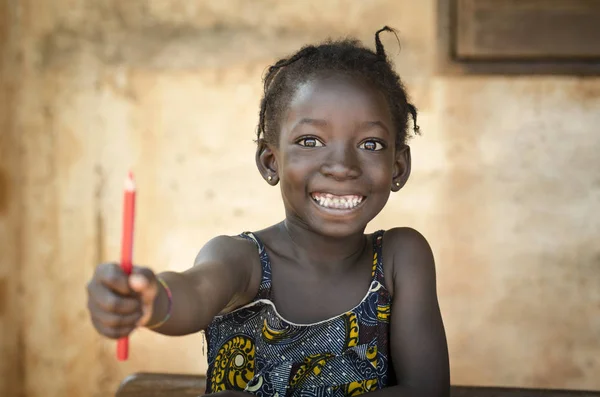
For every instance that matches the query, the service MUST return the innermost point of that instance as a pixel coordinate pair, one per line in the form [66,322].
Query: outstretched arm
[226,275]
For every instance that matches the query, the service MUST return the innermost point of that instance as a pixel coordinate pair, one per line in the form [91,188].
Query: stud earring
[397,184]
[269,178]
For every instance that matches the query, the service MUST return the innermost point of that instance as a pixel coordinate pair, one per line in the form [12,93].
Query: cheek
[385,172]
[293,172]
[297,164]
[380,171]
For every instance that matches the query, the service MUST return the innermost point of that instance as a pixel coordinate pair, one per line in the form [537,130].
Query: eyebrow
[323,123]
[371,124]
[315,122]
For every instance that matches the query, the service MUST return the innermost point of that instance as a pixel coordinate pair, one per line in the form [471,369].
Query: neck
[326,253]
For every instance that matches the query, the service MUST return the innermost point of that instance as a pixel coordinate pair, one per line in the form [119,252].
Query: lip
[346,193]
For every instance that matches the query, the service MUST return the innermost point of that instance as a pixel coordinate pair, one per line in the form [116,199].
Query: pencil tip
[129,183]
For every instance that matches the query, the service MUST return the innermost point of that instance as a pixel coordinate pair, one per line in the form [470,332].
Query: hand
[117,303]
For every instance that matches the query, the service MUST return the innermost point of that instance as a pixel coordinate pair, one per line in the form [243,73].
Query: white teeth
[329,200]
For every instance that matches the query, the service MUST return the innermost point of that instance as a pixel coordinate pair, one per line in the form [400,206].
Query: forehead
[347,96]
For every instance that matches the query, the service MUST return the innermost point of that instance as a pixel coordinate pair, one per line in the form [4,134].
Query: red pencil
[127,249]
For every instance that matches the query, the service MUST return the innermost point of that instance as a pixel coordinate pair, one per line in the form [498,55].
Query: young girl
[310,306]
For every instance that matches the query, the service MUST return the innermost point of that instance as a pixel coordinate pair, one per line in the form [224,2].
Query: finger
[101,298]
[143,281]
[144,319]
[111,320]
[113,333]
[112,276]
[146,315]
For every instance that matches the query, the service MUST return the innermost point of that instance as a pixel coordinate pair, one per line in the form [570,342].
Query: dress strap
[377,271]
[264,290]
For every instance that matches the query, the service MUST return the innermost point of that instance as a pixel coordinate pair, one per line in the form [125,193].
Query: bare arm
[418,344]
[226,274]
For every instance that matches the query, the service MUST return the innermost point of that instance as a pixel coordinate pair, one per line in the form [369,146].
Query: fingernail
[137,279]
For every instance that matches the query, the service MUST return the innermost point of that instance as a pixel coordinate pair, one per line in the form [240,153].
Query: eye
[309,142]
[372,145]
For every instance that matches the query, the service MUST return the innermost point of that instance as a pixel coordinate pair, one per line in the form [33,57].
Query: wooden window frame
[450,64]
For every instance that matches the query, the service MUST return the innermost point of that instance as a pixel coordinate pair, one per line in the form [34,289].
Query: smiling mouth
[332,201]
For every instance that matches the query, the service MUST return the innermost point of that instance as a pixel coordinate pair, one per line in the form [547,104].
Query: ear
[266,162]
[402,163]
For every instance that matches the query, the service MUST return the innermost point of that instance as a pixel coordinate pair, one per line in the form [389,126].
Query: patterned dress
[254,349]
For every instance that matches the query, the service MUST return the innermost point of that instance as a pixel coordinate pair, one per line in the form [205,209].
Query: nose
[341,163]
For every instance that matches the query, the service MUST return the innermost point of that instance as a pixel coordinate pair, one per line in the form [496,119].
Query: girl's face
[336,161]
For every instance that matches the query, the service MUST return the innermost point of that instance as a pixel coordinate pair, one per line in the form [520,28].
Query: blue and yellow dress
[253,349]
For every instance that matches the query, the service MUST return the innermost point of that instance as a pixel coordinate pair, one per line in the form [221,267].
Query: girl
[311,306]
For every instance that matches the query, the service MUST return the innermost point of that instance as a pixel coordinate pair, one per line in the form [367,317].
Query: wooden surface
[159,385]
[511,37]
[476,391]
[174,385]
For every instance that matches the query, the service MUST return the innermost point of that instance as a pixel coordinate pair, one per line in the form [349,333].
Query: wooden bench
[176,385]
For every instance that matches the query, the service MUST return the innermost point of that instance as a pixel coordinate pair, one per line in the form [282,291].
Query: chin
[337,229]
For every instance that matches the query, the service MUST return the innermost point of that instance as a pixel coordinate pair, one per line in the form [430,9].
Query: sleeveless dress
[254,349]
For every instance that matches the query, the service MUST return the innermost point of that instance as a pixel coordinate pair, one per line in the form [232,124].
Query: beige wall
[506,181]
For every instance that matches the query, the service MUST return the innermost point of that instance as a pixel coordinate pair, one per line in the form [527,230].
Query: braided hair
[343,56]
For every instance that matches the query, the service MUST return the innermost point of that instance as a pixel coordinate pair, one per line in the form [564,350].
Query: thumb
[143,282]
[145,286]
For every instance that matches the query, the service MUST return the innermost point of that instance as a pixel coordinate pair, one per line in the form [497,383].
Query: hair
[346,56]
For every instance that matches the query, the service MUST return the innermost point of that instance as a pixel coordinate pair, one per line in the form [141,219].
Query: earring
[269,178]
[397,184]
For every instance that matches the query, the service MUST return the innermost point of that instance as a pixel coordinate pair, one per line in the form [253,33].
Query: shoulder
[234,254]
[405,242]
[226,248]
[407,258]
[233,260]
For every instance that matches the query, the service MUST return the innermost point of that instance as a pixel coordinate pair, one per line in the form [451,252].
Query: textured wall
[10,342]
[506,181]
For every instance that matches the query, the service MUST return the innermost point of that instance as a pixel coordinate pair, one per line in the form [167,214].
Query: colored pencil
[127,249]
